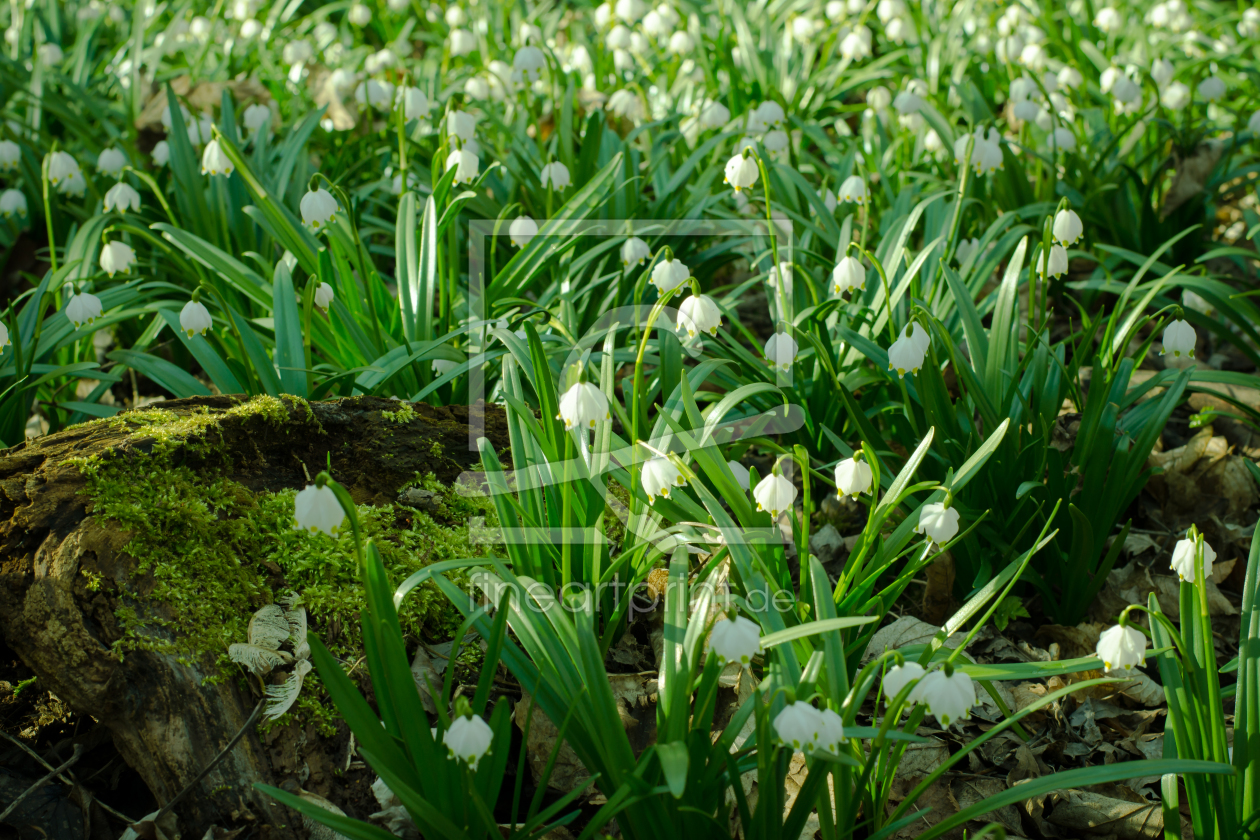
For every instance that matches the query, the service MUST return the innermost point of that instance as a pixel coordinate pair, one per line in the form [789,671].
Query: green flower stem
[48,219]
[772,232]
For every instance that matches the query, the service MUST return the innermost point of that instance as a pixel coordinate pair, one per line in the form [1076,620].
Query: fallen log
[101,627]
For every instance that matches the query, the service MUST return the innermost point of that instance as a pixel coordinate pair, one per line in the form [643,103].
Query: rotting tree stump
[165,721]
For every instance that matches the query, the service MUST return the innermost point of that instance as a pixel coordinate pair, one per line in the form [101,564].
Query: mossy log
[79,608]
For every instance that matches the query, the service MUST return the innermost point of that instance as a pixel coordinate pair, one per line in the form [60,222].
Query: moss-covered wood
[133,551]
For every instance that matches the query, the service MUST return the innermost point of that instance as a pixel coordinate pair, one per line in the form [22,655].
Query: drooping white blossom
[735,639]
[583,406]
[1121,648]
[775,494]
[317,508]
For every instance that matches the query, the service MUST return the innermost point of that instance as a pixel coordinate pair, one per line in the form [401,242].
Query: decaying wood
[166,722]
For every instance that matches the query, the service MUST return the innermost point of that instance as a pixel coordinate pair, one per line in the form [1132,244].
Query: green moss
[207,547]
[404,414]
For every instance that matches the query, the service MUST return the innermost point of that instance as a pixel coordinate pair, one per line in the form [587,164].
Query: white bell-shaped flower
[854,189]
[161,153]
[50,53]
[713,114]
[659,476]
[83,308]
[255,117]
[583,406]
[13,203]
[214,161]
[414,103]
[1212,88]
[116,258]
[4,337]
[900,676]
[1062,139]
[699,314]
[324,296]
[1121,648]
[1179,339]
[1108,19]
[555,175]
[194,318]
[1026,110]
[465,164]
[461,42]
[359,15]
[626,104]
[949,697]
[781,351]
[776,142]
[1249,24]
[906,355]
[735,640]
[848,274]
[669,275]
[742,477]
[111,161]
[829,199]
[680,43]
[528,64]
[75,185]
[991,159]
[1058,262]
[1162,71]
[522,230]
[775,494]
[1185,560]
[853,477]
[461,124]
[10,155]
[1126,93]
[634,251]
[297,52]
[121,197]
[468,739]
[831,732]
[62,169]
[455,16]
[917,334]
[856,45]
[631,11]
[318,208]
[799,726]
[1175,97]
[1067,227]
[937,522]
[741,172]
[375,94]
[1070,77]
[317,509]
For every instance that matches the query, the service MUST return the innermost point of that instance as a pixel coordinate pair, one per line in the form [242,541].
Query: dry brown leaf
[907,630]
[938,595]
[425,675]
[202,98]
[1090,814]
[1074,642]
[940,801]
[968,792]
[1192,172]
